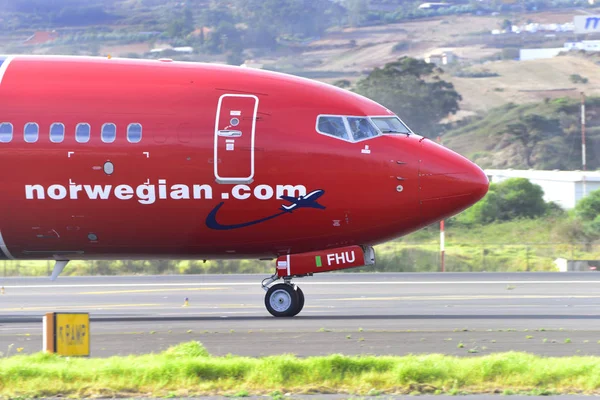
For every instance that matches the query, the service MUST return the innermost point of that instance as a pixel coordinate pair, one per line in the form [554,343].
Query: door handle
[230,133]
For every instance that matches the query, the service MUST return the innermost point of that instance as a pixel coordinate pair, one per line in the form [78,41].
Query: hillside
[352,50]
[336,49]
[526,81]
[544,135]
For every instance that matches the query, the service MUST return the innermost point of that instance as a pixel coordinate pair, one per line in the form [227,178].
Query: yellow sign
[72,334]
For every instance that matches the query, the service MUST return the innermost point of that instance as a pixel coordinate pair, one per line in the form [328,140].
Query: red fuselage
[129,159]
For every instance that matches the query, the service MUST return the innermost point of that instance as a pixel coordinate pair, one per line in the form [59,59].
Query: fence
[490,257]
[391,257]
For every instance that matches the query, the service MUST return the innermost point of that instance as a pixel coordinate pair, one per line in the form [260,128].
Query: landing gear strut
[283,299]
[286,299]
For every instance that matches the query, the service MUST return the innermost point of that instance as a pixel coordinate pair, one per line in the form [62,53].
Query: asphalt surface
[466,314]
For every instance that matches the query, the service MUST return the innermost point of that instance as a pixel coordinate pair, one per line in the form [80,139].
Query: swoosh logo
[212,223]
[211,220]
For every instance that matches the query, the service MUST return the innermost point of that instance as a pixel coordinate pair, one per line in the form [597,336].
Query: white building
[252,64]
[433,6]
[445,58]
[587,45]
[185,49]
[536,27]
[565,188]
[537,54]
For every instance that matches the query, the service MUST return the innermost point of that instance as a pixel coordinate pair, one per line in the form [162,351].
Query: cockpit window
[389,125]
[357,128]
[333,126]
[362,128]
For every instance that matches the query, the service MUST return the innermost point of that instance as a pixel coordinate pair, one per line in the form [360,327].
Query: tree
[520,199]
[531,130]
[412,89]
[181,24]
[188,20]
[201,38]
[484,211]
[267,20]
[505,201]
[357,11]
[588,208]
[342,83]
[215,15]
[225,37]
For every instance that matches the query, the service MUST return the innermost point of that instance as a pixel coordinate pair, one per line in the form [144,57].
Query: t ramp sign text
[67,334]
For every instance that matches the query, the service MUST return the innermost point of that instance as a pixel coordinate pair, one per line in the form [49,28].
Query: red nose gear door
[234,138]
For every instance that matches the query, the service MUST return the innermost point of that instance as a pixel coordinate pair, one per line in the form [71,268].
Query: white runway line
[387,283]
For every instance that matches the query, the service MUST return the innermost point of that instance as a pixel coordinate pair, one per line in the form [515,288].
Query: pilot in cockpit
[360,128]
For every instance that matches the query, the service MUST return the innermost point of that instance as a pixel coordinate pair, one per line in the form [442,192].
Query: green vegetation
[412,88]
[188,370]
[228,27]
[506,201]
[278,13]
[576,78]
[475,74]
[587,214]
[511,211]
[62,12]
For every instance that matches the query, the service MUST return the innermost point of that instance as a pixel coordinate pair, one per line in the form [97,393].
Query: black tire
[282,300]
[300,301]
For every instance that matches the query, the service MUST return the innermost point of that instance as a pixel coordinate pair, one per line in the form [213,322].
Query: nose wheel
[284,300]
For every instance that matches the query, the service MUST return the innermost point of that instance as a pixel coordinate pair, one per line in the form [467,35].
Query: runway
[466,314]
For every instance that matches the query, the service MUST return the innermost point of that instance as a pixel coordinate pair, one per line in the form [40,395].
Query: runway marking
[15,329]
[387,283]
[475,297]
[102,306]
[162,306]
[247,306]
[153,290]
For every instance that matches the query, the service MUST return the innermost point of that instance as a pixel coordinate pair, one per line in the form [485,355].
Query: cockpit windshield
[356,128]
[361,128]
[389,125]
[333,126]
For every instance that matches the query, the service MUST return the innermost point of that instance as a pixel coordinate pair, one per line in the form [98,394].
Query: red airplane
[136,159]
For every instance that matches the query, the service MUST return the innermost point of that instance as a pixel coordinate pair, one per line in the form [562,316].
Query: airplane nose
[449,183]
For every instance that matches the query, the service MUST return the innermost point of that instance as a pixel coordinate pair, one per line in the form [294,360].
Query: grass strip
[188,370]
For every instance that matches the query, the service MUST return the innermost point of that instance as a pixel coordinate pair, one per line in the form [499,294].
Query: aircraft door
[234,138]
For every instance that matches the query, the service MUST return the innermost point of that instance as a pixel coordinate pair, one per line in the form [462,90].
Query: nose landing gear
[286,299]
[283,299]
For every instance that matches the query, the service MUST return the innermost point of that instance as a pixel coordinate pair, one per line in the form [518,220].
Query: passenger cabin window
[362,128]
[389,125]
[333,126]
[6,132]
[109,133]
[134,133]
[31,132]
[82,133]
[57,132]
